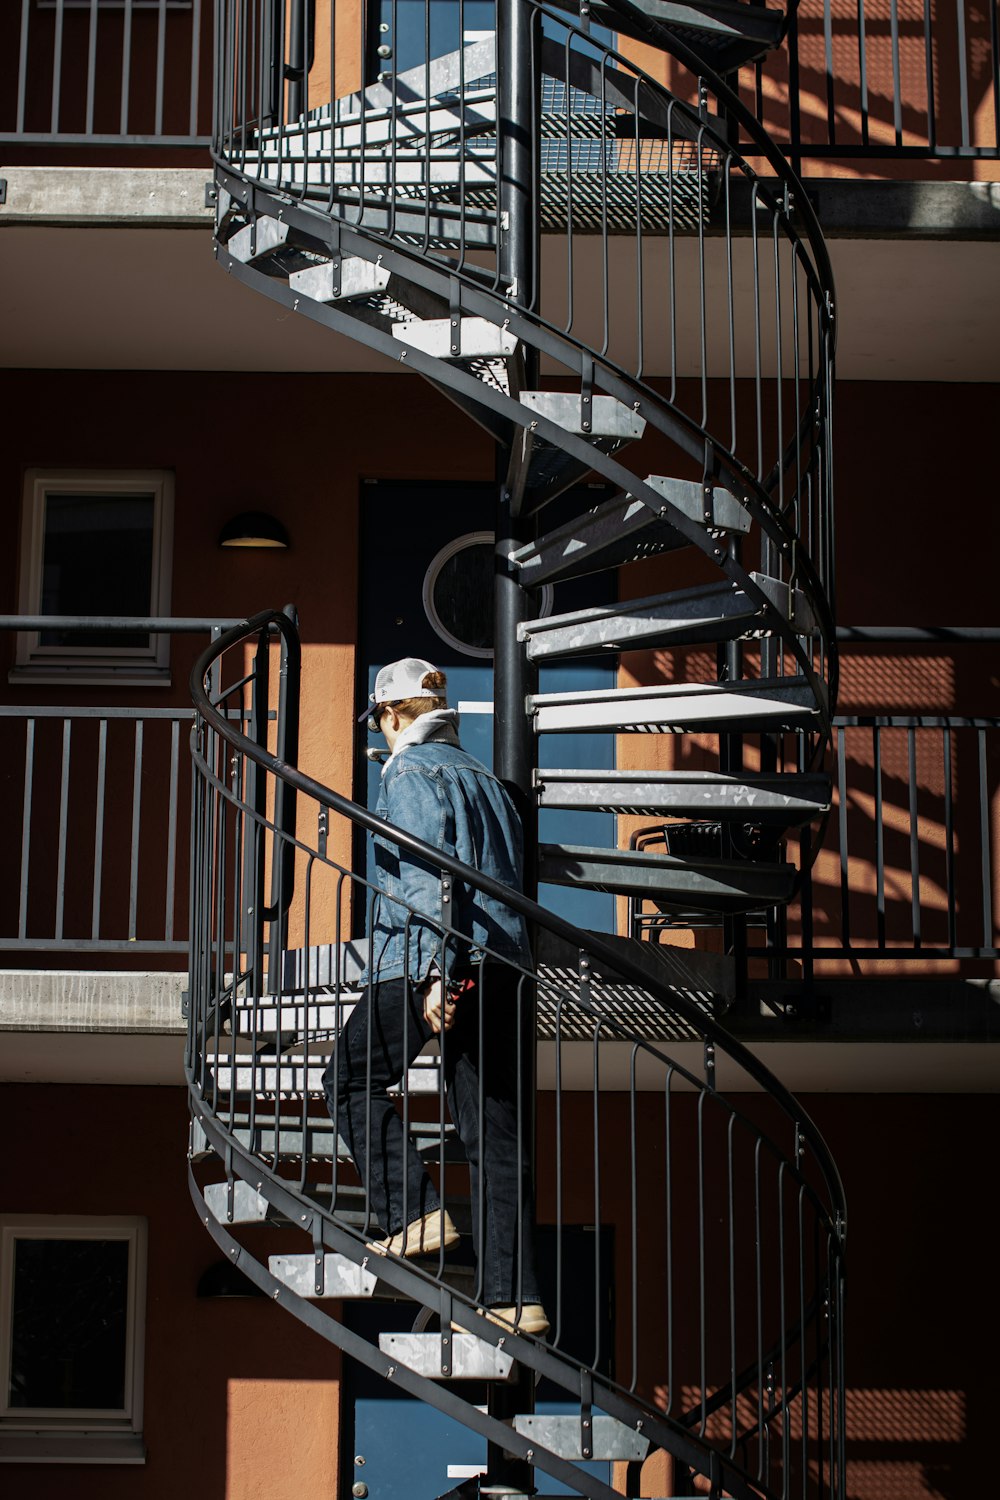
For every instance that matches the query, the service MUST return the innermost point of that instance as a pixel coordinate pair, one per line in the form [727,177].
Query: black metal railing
[909,862]
[858,80]
[728,1223]
[90,73]
[97,812]
[875,79]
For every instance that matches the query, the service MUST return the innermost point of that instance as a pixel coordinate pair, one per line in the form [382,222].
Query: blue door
[397,1448]
[427,590]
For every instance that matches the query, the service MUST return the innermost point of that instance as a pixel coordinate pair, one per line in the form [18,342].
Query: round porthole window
[458,594]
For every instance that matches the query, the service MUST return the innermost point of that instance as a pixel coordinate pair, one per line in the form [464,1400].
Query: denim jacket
[449,799]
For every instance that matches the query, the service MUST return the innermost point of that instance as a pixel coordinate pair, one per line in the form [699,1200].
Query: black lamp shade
[253,528]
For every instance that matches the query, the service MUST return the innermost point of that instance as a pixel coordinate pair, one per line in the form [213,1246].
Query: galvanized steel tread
[712,884]
[288,1139]
[590,1438]
[783,799]
[454,1356]
[342,1277]
[624,528]
[767,703]
[244,1073]
[689,617]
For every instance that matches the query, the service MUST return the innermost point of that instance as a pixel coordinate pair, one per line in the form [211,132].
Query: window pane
[98,560]
[69,1324]
[463,595]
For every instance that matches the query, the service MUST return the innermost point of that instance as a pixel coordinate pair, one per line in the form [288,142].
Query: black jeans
[369,1123]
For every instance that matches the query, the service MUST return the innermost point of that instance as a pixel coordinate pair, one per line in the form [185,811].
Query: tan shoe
[423,1236]
[532,1318]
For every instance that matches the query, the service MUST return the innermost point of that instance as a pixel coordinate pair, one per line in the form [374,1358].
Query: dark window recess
[462,595]
[69,1324]
[98,559]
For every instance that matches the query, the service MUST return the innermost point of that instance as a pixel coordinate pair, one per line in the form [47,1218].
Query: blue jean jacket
[450,800]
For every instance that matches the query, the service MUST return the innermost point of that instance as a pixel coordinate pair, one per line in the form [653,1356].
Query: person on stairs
[444,960]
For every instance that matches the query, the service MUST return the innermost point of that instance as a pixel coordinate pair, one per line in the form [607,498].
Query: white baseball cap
[401,679]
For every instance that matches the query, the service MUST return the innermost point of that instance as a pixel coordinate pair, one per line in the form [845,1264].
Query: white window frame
[135,666]
[78,1435]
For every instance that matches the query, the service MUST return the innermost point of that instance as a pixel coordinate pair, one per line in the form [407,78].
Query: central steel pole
[518,97]
[518,31]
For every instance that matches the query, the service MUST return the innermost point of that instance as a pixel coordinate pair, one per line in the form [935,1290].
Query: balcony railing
[97,813]
[878,79]
[907,870]
[862,79]
[106,72]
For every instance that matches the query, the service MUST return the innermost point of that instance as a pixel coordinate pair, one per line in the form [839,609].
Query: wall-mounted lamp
[253,528]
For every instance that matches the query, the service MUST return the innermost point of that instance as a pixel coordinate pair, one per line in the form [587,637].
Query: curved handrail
[530,910]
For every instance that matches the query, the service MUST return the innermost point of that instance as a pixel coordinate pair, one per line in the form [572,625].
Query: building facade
[697,244]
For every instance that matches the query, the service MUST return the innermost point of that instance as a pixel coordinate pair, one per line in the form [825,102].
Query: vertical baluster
[758,1239]
[102,761]
[161,59]
[911,759]
[63,826]
[879,837]
[669,1231]
[133,886]
[168,922]
[731,1217]
[702,1271]
[831,107]
[845,883]
[633,1173]
[949,841]
[123,117]
[22,65]
[559,1148]
[961,47]
[929,74]
[57,52]
[195,64]
[91,66]
[597,1194]
[984,839]
[29,776]
[863,71]
[897,93]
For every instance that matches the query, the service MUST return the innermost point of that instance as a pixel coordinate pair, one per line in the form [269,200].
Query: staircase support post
[518,91]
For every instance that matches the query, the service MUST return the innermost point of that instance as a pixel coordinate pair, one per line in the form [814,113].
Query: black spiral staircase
[621,280]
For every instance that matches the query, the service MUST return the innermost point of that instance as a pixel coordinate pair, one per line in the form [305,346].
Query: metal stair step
[273,1075]
[775,798]
[540,470]
[725,33]
[691,617]
[624,529]
[758,703]
[407,122]
[443,170]
[258,241]
[458,338]
[269,1018]
[343,1278]
[342,281]
[462,1357]
[708,884]
[287,1139]
[340,1276]
[599,1438]
[250,1206]
[601,417]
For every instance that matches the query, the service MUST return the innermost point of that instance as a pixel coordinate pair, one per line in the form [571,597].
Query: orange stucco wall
[241,1402]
